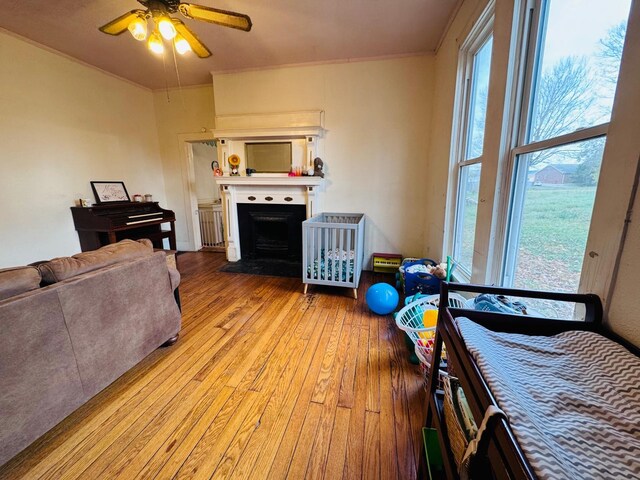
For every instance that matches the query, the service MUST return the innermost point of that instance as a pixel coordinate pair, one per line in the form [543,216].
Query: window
[473,87]
[567,93]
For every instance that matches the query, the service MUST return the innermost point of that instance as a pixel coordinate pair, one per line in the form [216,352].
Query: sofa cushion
[17,280]
[62,268]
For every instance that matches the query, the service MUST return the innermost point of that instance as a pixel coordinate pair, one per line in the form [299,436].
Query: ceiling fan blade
[214,15]
[197,46]
[120,24]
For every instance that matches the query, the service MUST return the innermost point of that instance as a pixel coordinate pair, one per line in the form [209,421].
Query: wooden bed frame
[499,455]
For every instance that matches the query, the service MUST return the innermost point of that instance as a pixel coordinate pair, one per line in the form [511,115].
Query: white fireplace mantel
[303,129]
[258,189]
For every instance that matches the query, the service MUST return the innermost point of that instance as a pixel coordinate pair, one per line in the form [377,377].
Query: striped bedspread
[573,400]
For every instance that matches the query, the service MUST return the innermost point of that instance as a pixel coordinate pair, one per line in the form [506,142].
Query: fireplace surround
[277,193]
[271,231]
[233,132]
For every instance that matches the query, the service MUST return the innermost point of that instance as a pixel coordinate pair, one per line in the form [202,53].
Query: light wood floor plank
[404,436]
[373,366]
[353,464]
[338,450]
[371,446]
[320,390]
[296,468]
[388,456]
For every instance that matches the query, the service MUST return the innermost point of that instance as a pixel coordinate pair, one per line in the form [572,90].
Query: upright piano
[108,223]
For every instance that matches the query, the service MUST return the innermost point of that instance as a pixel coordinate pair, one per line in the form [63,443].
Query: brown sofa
[103,312]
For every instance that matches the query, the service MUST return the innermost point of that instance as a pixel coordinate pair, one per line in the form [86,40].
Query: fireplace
[271,231]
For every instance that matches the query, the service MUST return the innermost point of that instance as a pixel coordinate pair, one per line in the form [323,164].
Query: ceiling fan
[173,29]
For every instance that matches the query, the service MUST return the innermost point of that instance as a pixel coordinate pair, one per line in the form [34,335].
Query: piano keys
[108,223]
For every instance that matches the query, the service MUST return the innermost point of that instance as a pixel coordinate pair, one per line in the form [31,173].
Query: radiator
[211,227]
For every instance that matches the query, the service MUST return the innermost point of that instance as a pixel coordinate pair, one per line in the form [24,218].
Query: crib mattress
[572,400]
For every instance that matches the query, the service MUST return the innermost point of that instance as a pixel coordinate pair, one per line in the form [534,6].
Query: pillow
[60,269]
[17,280]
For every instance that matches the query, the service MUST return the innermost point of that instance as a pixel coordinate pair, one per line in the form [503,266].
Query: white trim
[272,133]
[270,179]
[274,190]
[477,37]
[490,236]
[473,161]
[617,173]
[309,119]
[566,139]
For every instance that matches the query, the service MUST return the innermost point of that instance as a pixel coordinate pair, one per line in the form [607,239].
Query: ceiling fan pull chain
[166,80]
[175,63]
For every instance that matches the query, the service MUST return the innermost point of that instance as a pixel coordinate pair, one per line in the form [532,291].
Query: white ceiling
[284,32]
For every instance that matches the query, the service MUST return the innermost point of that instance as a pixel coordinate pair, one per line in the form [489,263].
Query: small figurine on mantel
[318,165]
[234,161]
[217,171]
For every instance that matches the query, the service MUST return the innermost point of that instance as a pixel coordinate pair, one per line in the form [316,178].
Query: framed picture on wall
[107,192]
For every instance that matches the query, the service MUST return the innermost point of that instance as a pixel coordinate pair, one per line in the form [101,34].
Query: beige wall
[188,111]
[624,309]
[63,124]
[378,121]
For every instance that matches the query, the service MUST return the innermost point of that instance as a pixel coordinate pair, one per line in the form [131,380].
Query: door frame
[187,168]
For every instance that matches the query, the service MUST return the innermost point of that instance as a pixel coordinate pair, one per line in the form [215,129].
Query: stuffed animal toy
[318,165]
[439,272]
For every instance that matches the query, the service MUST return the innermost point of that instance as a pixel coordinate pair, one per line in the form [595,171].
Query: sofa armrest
[174,278]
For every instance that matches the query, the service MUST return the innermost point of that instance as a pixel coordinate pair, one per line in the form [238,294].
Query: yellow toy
[430,318]
[234,161]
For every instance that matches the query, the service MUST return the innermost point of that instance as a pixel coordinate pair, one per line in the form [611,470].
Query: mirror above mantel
[273,144]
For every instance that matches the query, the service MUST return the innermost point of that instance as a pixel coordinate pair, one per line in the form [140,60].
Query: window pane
[551,217]
[465,231]
[576,76]
[478,100]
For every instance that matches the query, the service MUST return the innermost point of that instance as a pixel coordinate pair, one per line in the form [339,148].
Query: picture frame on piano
[108,192]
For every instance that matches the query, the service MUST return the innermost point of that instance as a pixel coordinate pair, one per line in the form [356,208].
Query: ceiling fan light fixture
[138,28]
[167,30]
[155,43]
[181,44]
[166,27]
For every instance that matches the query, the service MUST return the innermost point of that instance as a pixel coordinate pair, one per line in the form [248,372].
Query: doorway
[209,211]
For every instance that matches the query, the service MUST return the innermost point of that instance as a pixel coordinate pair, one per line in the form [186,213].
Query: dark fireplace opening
[271,231]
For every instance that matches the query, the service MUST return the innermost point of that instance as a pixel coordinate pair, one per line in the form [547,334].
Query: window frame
[509,215]
[475,40]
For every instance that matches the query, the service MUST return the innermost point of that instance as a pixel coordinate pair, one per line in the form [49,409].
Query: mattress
[572,400]
[323,270]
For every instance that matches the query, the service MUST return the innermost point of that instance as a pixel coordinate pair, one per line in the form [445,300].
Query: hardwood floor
[264,383]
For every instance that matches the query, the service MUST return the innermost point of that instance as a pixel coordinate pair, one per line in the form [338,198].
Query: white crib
[333,250]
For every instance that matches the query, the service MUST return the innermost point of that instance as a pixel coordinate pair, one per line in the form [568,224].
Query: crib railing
[333,245]
[211,225]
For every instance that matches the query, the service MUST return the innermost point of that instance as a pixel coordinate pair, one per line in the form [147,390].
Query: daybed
[570,391]
[61,344]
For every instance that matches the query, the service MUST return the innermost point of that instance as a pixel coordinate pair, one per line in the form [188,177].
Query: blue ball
[382,298]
